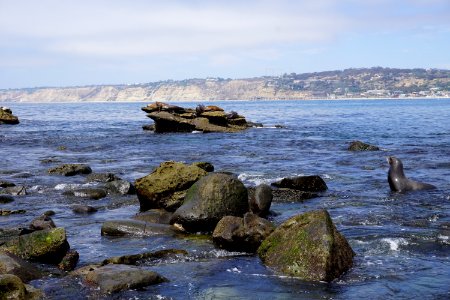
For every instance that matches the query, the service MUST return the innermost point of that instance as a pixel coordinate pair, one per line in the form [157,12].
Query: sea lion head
[395,163]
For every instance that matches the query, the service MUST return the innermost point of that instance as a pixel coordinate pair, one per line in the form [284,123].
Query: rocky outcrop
[48,246]
[307,246]
[241,234]
[6,116]
[171,118]
[209,200]
[70,169]
[166,186]
[360,146]
[113,278]
[313,183]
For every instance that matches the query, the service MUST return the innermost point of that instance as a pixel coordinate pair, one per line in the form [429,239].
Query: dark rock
[307,246]
[167,122]
[114,277]
[241,234]
[18,190]
[360,146]
[133,259]
[49,213]
[42,222]
[166,186]
[91,193]
[102,177]
[83,209]
[11,264]
[69,261]
[11,287]
[134,228]
[70,169]
[5,184]
[280,126]
[121,187]
[208,167]
[289,195]
[210,199]
[48,246]
[6,117]
[254,124]
[50,160]
[261,199]
[6,199]
[312,183]
[159,216]
[149,127]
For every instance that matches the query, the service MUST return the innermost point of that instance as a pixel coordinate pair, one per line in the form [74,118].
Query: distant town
[368,83]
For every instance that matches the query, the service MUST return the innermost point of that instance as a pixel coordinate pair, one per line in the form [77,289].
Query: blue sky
[81,42]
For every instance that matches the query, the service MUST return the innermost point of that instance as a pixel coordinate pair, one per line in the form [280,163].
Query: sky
[89,42]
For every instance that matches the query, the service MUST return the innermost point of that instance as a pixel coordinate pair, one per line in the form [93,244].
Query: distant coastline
[349,84]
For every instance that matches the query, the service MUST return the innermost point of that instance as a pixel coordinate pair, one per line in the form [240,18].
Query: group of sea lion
[399,182]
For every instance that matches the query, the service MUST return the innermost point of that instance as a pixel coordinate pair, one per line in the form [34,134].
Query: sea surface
[401,241]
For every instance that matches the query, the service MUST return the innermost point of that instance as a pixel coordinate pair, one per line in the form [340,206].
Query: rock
[11,287]
[312,183]
[49,213]
[5,184]
[289,195]
[11,264]
[166,186]
[48,246]
[169,118]
[133,259]
[18,190]
[149,127]
[360,146]
[69,261]
[208,167]
[255,124]
[114,277]
[261,199]
[6,117]
[42,222]
[241,234]
[83,209]
[210,199]
[134,228]
[91,193]
[70,169]
[121,187]
[6,199]
[102,177]
[160,216]
[7,212]
[307,246]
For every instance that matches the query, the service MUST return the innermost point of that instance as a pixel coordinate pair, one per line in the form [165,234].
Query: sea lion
[398,182]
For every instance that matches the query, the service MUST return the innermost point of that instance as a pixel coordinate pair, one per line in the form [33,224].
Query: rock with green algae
[166,186]
[48,246]
[209,200]
[6,116]
[11,287]
[307,246]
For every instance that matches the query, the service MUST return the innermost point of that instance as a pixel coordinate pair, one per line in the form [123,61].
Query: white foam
[256,178]
[395,243]
[71,186]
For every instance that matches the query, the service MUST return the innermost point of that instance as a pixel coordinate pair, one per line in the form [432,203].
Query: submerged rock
[241,234]
[7,212]
[91,193]
[135,258]
[102,177]
[4,184]
[70,169]
[360,146]
[307,246]
[166,186]
[17,190]
[290,195]
[11,264]
[210,199]
[83,209]
[6,199]
[113,278]
[121,187]
[6,116]
[313,183]
[48,246]
[134,227]
[170,118]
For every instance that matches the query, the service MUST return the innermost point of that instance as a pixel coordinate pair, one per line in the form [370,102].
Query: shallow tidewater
[401,240]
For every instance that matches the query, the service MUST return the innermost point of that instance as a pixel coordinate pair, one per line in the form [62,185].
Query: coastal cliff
[350,83]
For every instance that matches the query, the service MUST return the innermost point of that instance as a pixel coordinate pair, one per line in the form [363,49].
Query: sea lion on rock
[399,182]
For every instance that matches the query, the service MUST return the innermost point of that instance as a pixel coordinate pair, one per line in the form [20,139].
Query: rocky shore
[177,200]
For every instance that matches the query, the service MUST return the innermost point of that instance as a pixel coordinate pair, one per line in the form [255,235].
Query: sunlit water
[401,240]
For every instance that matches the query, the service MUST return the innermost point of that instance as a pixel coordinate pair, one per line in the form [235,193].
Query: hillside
[350,83]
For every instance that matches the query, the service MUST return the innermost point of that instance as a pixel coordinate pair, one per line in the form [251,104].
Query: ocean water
[401,240]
